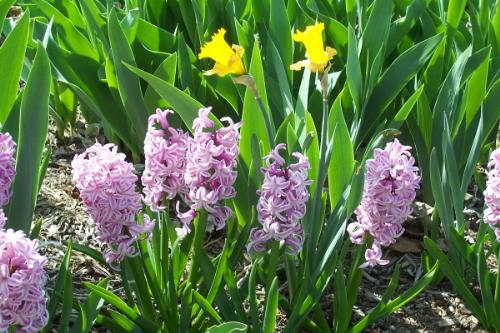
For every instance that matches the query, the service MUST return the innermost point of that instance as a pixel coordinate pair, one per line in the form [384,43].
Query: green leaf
[31,142]
[405,110]
[341,164]
[253,120]
[281,32]
[183,104]
[271,309]
[11,63]
[229,327]
[4,9]
[205,305]
[91,308]
[455,12]
[128,84]
[67,304]
[399,73]
[377,29]
[55,297]
[121,306]
[353,71]
[455,279]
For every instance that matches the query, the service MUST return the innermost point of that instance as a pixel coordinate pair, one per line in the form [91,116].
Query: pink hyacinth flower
[23,303]
[282,202]
[391,181]
[7,167]
[492,194]
[165,161]
[210,169]
[107,187]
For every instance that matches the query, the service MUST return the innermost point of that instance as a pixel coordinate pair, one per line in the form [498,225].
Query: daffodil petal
[299,65]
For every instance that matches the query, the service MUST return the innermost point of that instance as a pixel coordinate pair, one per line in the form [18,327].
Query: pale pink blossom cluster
[22,276]
[107,187]
[391,181]
[282,202]
[7,167]
[165,161]
[492,194]
[23,303]
[210,169]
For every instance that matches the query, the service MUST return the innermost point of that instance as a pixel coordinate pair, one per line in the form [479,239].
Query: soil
[437,309]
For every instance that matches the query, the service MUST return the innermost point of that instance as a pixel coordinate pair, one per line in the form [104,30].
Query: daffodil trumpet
[228,59]
[317,56]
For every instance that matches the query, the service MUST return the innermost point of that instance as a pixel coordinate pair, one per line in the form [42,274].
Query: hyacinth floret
[22,282]
[282,202]
[7,167]
[210,169]
[391,181]
[165,161]
[107,187]
[492,194]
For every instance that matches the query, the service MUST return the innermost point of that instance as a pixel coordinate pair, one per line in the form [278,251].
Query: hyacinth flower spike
[7,167]
[492,194]
[391,182]
[107,187]
[282,202]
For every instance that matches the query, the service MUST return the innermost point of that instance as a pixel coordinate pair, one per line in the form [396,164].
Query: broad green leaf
[91,308]
[128,84]
[33,126]
[341,164]
[280,31]
[167,71]
[402,70]
[185,106]
[455,12]
[253,120]
[353,71]
[405,110]
[377,29]
[271,309]
[4,9]
[11,63]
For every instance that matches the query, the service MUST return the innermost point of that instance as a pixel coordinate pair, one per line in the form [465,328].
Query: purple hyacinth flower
[23,303]
[7,167]
[492,194]
[391,181]
[210,169]
[282,202]
[107,187]
[165,161]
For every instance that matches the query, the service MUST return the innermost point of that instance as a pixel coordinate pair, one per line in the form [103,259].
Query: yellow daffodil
[317,56]
[227,58]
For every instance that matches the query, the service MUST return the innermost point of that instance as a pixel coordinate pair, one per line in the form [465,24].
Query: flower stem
[249,82]
[273,264]
[200,225]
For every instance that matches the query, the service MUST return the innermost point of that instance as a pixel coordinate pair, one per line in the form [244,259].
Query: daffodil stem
[269,127]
